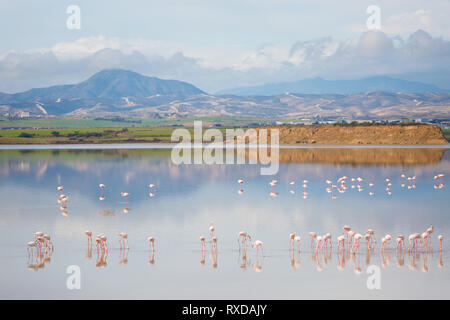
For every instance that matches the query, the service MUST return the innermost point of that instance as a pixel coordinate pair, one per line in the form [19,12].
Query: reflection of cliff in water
[363,156]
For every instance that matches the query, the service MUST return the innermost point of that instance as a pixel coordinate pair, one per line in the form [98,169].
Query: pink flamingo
[292,237]
[258,244]
[202,240]
[244,235]
[372,236]
[297,239]
[211,229]
[49,241]
[356,244]
[214,241]
[313,238]
[125,195]
[123,240]
[151,240]
[341,242]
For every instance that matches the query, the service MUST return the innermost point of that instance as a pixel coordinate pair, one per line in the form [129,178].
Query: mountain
[110,84]
[319,86]
[129,94]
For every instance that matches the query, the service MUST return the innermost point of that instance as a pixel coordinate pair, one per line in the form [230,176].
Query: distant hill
[319,86]
[129,94]
[113,83]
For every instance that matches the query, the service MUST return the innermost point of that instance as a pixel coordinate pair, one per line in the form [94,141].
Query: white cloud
[432,21]
[221,67]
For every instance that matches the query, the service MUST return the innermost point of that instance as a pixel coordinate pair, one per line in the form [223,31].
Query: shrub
[26,135]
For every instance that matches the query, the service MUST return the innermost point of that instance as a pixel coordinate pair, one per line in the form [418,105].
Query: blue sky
[219,44]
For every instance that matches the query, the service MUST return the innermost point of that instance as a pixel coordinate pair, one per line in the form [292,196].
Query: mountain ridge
[108,83]
[116,92]
[322,86]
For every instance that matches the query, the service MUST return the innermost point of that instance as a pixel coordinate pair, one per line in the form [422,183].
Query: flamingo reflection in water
[295,259]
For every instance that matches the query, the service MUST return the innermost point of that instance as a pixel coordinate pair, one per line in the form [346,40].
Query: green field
[66,122]
[86,135]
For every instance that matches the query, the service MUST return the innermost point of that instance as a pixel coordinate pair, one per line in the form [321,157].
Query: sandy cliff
[360,134]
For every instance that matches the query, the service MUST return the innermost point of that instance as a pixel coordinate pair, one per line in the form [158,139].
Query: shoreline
[99,146]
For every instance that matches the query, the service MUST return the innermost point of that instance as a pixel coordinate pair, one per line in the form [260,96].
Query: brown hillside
[360,134]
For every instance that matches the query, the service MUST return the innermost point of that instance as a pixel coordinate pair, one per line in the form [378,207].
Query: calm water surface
[188,197]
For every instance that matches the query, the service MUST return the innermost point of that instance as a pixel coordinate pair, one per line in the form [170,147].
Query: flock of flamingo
[356,183]
[40,250]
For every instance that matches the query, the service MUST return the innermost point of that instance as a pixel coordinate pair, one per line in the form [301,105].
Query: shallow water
[188,197]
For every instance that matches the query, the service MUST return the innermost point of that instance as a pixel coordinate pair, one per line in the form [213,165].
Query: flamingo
[350,234]
[341,242]
[400,241]
[38,234]
[258,244]
[298,239]
[424,237]
[441,238]
[244,235]
[319,240]
[48,239]
[103,239]
[412,243]
[151,240]
[211,228]
[240,181]
[367,238]
[313,238]
[291,237]
[357,239]
[124,240]
[430,230]
[372,235]
[214,241]
[125,195]
[202,240]
[60,188]
[30,246]
[388,238]
[383,244]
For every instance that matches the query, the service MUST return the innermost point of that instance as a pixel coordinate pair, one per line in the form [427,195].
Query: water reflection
[186,198]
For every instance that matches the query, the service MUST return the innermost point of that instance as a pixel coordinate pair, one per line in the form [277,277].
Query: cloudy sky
[218,44]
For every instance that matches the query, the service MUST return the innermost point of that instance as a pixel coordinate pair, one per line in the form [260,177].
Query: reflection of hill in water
[363,156]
